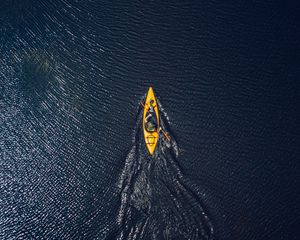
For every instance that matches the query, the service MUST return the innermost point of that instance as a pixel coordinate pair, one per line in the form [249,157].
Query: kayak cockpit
[151,124]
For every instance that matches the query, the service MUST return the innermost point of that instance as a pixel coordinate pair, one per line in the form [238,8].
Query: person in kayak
[150,120]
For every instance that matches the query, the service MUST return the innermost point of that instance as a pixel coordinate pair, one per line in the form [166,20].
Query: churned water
[73,162]
[156,201]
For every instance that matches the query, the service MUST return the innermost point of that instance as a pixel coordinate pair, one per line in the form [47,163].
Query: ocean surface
[73,161]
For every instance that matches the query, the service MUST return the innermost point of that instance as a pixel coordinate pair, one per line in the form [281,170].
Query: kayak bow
[151,138]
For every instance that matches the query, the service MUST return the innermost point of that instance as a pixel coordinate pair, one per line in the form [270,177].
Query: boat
[151,135]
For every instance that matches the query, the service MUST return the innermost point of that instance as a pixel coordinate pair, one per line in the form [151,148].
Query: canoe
[151,137]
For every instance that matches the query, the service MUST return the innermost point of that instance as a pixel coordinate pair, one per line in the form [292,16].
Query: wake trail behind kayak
[156,201]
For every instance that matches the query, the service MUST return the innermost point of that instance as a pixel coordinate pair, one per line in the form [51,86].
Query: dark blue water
[73,160]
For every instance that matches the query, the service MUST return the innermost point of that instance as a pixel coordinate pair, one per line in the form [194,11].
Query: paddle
[165,134]
[143,105]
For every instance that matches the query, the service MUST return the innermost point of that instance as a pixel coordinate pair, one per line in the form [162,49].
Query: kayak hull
[151,138]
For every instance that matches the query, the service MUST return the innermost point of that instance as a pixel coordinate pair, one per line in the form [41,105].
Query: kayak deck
[151,138]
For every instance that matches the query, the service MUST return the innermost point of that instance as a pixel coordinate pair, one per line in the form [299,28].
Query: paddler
[150,120]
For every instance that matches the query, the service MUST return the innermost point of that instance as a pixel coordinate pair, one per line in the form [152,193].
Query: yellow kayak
[151,121]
